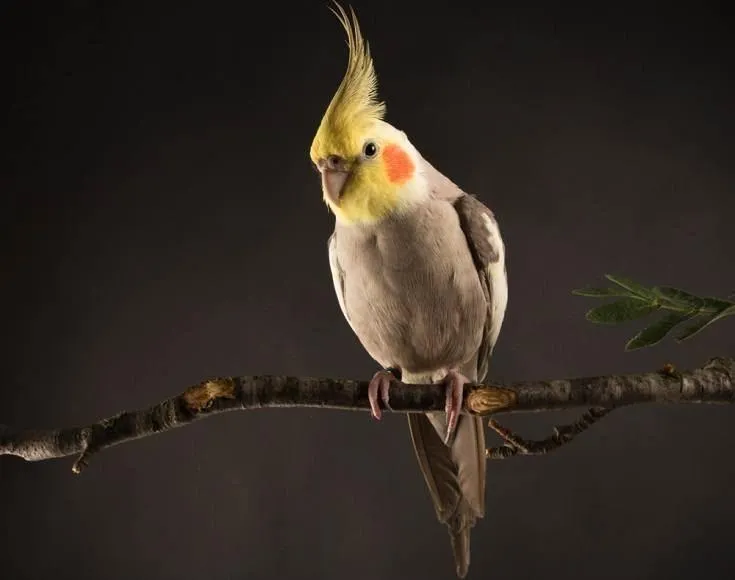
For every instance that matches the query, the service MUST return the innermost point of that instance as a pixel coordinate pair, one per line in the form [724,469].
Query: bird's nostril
[334,161]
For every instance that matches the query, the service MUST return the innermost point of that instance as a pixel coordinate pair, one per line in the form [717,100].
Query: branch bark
[712,383]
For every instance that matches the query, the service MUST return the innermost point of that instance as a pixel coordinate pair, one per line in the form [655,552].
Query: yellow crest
[355,105]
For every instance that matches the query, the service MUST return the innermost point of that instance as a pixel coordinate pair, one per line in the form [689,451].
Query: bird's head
[368,168]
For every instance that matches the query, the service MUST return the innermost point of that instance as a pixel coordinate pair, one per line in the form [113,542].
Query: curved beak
[334,171]
[333,181]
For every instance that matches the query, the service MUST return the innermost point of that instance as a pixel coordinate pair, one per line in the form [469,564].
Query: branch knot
[484,400]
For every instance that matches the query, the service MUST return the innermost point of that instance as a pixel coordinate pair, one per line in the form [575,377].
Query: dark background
[160,224]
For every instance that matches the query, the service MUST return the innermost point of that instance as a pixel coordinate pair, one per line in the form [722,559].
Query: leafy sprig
[637,301]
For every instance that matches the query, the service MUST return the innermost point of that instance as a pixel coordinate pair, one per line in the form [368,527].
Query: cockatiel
[419,271]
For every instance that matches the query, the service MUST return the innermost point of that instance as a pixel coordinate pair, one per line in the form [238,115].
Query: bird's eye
[370,149]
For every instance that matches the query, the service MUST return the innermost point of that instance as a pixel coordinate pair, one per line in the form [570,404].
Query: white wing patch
[338,278]
[497,278]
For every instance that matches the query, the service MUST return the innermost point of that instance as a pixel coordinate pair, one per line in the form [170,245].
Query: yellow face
[363,180]
[365,163]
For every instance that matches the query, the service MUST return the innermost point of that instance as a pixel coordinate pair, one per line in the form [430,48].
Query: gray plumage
[425,291]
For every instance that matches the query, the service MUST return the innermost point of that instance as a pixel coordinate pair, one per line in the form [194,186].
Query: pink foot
[455,382]
[379,386]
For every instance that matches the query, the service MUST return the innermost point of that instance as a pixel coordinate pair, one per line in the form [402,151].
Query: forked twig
[563,434]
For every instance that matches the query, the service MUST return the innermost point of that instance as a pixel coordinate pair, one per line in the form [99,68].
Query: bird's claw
[379,387]
[455,382]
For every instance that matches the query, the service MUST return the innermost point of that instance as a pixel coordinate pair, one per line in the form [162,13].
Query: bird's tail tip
[460,540]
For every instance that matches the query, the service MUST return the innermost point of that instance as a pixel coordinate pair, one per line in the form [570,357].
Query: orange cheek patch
[397,164]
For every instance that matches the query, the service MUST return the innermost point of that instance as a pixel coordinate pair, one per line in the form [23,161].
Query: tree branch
[713,383]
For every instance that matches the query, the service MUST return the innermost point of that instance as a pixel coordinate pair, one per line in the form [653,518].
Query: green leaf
[658,330]
[716,303]
[678,296]
[632,286]
[597,292]
[620,311]
[705,321]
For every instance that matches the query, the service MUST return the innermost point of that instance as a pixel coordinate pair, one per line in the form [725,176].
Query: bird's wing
[488,252]
[338,276]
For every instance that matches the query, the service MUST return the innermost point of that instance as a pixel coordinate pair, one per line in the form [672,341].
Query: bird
[418,267]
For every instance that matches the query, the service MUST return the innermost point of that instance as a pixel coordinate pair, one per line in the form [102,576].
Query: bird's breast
[411,290]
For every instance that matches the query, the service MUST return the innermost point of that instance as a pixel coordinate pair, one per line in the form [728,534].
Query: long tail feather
[455,476]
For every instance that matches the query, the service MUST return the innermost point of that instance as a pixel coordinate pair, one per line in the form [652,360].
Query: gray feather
[455,476]
[488,253]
